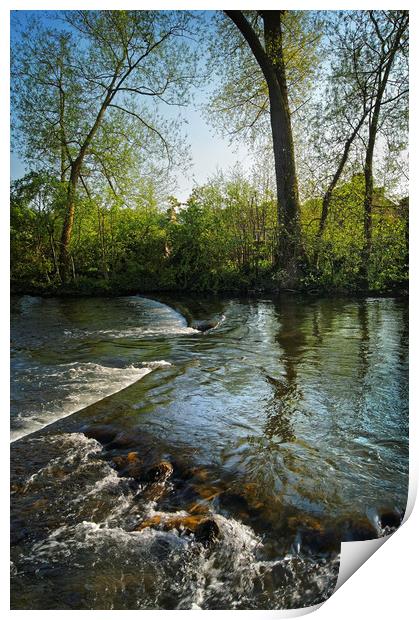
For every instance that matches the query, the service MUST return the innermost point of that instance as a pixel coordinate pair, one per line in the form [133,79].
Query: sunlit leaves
[240,105]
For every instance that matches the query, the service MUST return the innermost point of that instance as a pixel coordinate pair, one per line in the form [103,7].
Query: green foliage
[127,235]
[35,221]
[340,252]
[90,80]
[239,105]
[223,239]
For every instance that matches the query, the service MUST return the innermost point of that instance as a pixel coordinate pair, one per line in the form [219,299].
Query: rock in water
[207,532]
[128,465]
[321,540]
[234,504]
[204,326]
[207,324]
[391,518]
[104,433]
[160,472]
[186,524]
[357,528]
[126,439]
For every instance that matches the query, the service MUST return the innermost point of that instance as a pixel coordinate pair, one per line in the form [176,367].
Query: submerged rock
[104,433]
[198,473]
[233,503]
[198,508]
[391,518]
[326,537]
[357,529]
[207,532]
[186,524]
[126,439]
[151,522]
[182,469]
[160,472]
[129,465]
[152,493]
[205,325]
[207,492]
[312,534]
[320,540]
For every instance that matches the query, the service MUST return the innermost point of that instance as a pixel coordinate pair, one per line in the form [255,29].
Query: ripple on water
[287,424]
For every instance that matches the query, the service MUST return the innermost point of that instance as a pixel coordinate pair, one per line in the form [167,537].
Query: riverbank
[103,288]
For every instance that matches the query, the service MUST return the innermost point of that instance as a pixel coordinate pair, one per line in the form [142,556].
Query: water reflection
[364,342]
[309,395]
[291,415]
[286,394]
[340,385]
[279,409]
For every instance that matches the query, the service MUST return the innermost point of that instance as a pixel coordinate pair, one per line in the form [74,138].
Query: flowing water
[285,423]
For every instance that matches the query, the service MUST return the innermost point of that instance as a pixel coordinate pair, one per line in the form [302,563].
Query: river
[285,424]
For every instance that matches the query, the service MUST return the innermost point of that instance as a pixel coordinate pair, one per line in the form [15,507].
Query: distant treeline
[223,239]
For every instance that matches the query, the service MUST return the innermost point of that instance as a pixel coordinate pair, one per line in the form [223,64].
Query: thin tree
[390,28]
[100,68]
[355,64]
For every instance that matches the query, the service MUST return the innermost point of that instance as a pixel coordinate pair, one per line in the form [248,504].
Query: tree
[268,50]
[36,217]
[366,84]
[390,29]
[239,101]
[77,83]
[338,115]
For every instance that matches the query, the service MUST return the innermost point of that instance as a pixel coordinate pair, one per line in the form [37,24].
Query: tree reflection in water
[286,393]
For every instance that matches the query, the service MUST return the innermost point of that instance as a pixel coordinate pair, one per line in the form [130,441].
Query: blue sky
[209,150]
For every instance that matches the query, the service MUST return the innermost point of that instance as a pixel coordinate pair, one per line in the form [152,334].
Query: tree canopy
[320,96]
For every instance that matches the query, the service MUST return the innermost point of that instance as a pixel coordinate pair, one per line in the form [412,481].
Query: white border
[386,586]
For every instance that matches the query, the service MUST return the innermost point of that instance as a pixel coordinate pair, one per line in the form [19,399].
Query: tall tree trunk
[368,199]
[63,141]
[290,249]
[101,233]
[75,171]
[54,254]
[271,61]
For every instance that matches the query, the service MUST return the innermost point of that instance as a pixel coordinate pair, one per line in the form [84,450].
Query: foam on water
[156,364]
[78,482]
[181,568]
[75,451]
[95,548]
[131,332]
[164,565]
[227,573]
[76,385]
